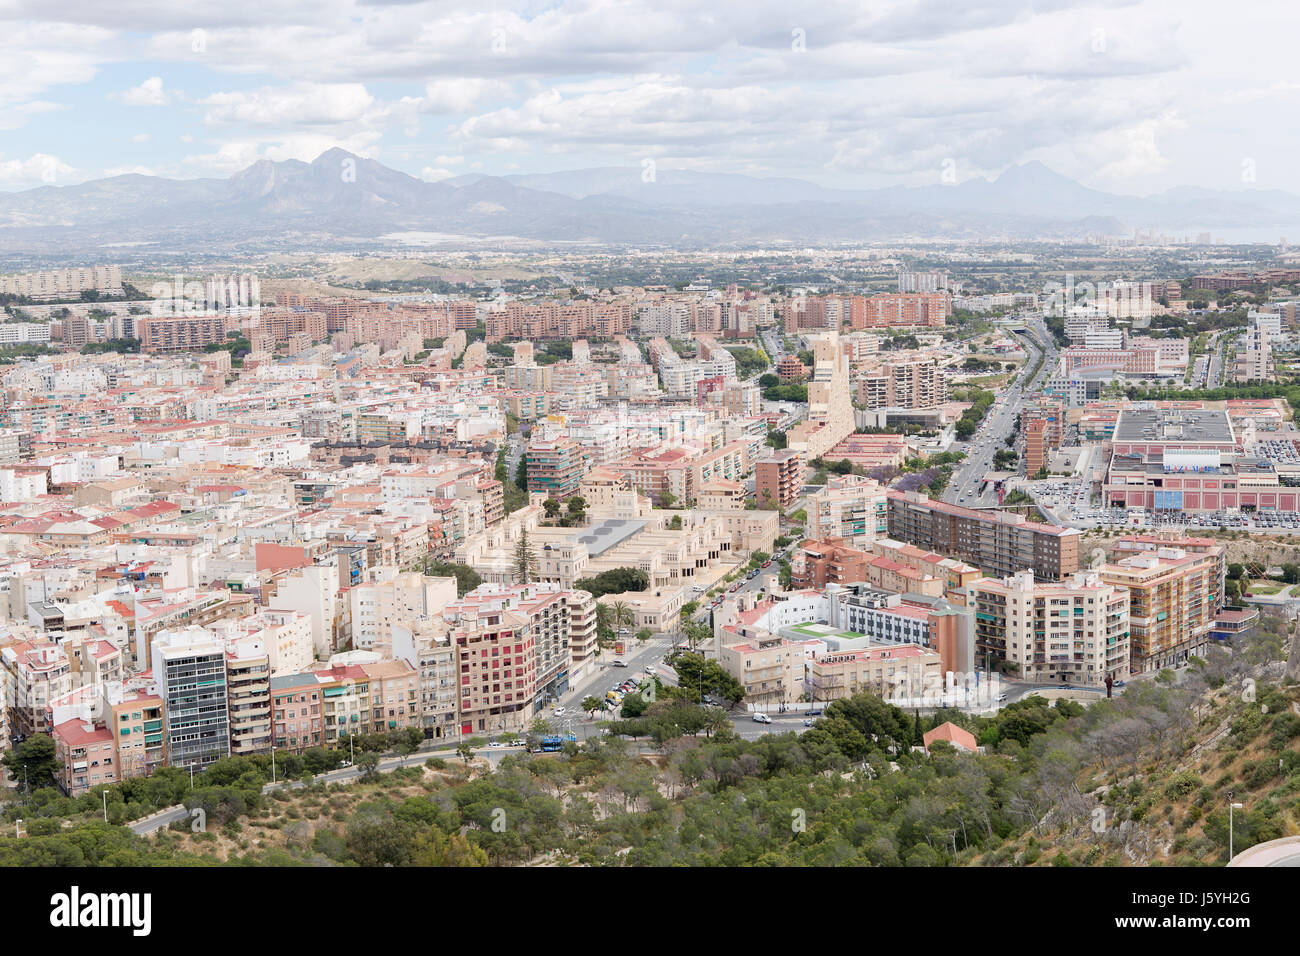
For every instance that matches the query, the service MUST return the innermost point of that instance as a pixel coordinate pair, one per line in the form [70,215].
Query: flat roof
[1173,425]
[600,537]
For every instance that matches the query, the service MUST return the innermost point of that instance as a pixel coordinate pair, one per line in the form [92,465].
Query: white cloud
[309,104]
[40,169]
[148,93]
[431,175]
[140,138]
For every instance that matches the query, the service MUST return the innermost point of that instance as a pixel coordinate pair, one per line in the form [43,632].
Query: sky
[1132,97]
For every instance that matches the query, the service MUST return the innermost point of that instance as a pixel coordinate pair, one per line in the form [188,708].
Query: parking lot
[1121,517]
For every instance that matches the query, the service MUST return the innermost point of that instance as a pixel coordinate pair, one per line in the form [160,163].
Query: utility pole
[104,793]
[1231,806]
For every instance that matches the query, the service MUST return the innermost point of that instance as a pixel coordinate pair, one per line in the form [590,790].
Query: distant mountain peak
[1032,172]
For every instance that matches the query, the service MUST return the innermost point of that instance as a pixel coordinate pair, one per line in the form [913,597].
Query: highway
[999,421]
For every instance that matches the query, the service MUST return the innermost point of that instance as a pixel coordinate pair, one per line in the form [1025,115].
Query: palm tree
[715,721]
[623,616]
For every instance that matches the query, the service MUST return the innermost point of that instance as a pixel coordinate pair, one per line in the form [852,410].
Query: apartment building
[248,696]
[63,283]
[1042,422]
[954,574]
[779,478]
[189,666]
[1000,544]
[1074,631]
[771,669]
[556,467]
[1172,604]
[346,707]
[137,720]
[86,754]
[395,695]
[916,383]
[906,670]
[558,619]
[296,715]
[1132,544]
[36,673]
[830,404]
[179,333]
[851,508]
[498,671]
[828,561]
[904,309]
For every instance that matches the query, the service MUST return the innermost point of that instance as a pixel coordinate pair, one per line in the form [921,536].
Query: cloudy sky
[1126,96]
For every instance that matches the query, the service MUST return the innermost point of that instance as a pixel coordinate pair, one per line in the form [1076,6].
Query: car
[624,630]
[767,564]
[815,713]
[559,711]
[1001,698]
[496,744]
[807,722]
[649,669]
[762,719]
[619,662]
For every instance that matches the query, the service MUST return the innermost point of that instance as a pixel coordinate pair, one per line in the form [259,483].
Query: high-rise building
[189,666]
[556,467]
[1074,631]
[1172,604]
[851,508]
[779,478]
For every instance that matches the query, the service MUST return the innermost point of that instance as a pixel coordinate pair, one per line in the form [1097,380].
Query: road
[999,421]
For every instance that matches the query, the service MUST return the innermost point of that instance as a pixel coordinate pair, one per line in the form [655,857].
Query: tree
[406,741]
[465,751]
[521,474]
[577,506]
[368,764]
[551,507]
[614,581]
[667,499]
[39,756]
[590,704]
[525,560]
[1291,573]
[644,634]
[467,579]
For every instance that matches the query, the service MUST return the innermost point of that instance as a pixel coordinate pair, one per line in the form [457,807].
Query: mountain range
[340,200]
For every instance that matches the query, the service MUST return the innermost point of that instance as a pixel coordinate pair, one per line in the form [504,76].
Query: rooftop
[1173,425]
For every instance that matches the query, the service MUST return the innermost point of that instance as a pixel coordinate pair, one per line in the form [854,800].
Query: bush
[1286,727]
[1182,784]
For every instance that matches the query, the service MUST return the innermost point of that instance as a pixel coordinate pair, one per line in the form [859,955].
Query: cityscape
[411,458]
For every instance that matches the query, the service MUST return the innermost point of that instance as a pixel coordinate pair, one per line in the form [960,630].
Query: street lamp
[1231,806]
[104,793]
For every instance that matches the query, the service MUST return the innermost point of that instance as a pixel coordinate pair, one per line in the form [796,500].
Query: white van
[762,719]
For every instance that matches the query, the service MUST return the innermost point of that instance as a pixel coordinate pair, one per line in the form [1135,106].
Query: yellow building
[1172,604]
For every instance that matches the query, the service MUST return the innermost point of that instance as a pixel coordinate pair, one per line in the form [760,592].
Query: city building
[998,543]
[1074,631]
